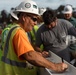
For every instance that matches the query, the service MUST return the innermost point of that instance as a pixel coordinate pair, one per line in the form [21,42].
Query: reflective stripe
[7,41]
[5,59]
[13,63]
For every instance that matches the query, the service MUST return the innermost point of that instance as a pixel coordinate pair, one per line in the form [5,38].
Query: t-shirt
[55,39]
[21,43]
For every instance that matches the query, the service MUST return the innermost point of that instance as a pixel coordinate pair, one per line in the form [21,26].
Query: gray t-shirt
[55,39]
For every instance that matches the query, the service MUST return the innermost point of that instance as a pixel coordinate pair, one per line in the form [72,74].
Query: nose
[49,26]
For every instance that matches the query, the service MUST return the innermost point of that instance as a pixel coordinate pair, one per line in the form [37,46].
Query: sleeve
[71,29]
[21,43]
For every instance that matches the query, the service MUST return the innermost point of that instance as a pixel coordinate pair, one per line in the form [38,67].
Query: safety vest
[32,34]
[4,34]
[10,63]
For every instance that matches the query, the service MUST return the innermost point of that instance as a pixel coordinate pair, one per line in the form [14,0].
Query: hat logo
[27,5]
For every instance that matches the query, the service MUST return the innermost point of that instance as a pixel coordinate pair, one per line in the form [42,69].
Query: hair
[49,16]
[18,15]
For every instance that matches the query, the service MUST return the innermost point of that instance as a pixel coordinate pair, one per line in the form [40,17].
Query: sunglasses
[33,18]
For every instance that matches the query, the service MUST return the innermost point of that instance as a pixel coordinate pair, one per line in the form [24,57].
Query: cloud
[54,3]
[7,4]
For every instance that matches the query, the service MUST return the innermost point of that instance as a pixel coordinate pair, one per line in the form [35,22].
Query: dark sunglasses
[33,18]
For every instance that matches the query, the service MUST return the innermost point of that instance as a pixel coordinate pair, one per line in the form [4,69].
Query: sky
[8,4]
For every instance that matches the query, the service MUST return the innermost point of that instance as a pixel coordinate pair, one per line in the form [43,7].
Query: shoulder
[20,32]
[64,22]
[5,31]
[41,28]
[74,18]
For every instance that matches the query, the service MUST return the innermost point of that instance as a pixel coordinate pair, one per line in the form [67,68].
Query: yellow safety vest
[4,34]
[10,64]
[32,34]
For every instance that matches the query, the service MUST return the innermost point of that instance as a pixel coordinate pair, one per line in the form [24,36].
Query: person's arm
[43,52]
[38,49]
[72,31]
[25,51]
[36,59]
[70,28]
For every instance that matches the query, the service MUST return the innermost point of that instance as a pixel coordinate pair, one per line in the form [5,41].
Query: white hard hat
[28,6]
[42,10]
[67,9]
[13,13]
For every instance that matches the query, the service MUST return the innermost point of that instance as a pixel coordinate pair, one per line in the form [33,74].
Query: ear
[24,18]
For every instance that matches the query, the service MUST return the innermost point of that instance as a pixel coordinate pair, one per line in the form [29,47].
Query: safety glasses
[33,18]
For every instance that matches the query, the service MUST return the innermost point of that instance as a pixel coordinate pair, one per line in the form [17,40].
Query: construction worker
[70,40]
[5,30]
[32,34]
[52,34]
[17,48]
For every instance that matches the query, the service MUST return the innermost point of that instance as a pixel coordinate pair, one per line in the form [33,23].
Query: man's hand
[45,54]
[60,67]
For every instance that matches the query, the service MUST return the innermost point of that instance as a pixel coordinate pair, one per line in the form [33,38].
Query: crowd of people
[25,45]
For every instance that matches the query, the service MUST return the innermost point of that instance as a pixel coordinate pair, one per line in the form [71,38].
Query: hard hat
[67,9]
[28,6]
[13,13]
[42,10]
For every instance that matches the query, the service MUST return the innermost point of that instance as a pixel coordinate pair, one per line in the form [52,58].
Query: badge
[27,5]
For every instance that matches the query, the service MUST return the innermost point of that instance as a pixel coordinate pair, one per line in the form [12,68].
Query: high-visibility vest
[32,34]
[10,64]
[4,34]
